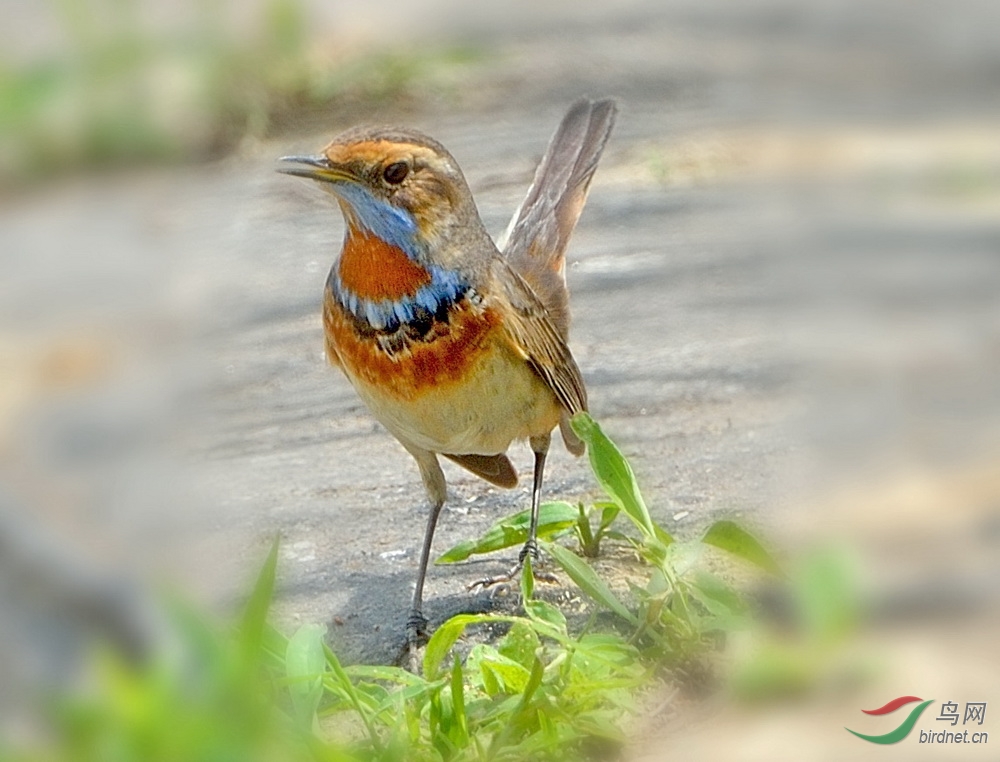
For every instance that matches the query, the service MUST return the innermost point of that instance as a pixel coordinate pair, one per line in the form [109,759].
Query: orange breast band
[372,269]
[424,365]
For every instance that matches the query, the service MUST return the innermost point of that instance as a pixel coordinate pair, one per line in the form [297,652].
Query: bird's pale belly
[499,400]
[467,391]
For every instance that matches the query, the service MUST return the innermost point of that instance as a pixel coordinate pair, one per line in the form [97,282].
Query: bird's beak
[315,168]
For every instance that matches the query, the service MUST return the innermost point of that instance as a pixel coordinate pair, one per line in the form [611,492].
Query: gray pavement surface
[787,274]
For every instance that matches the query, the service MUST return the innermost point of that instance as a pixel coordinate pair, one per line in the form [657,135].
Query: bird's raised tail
[536,239]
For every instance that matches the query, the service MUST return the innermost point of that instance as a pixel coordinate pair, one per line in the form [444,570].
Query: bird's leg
[416,624]
[540,446]
[437,490]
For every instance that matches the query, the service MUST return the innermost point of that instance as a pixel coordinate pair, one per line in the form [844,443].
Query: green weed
[681,607]
[545,690]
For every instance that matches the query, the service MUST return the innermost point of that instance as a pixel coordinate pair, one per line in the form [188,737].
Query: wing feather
[534,335]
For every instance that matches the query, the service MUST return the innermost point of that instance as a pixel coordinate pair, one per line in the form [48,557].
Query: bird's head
[399,185]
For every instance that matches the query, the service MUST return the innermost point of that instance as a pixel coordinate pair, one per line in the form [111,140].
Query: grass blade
[588,581]
[255,614]
[458,704]
[346,688]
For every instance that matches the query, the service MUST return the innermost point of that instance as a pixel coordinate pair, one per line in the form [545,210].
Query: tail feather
[496,469]
[536,240]
[573,443]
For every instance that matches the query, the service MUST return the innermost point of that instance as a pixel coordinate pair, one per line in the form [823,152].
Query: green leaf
[197,634]
[609,512]
[440,644]
[611,534]
[726,611]
[731,538]
[610,649]
[305,662]
[507,674]
[657,584]
[534,680]
[527,579]
[544,613]
[588,581]
[518,718]
[682,557]
[715,595]
[613,472]
[653,552]
[662,535]
[584,532]
[458,704]
[553,517]
[520,644]
[255,613]
[477,674]
[445,637]
[384,674]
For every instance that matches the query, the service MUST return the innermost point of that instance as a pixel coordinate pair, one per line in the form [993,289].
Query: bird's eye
[395,173]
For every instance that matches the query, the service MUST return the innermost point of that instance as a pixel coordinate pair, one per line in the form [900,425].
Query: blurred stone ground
[786,283]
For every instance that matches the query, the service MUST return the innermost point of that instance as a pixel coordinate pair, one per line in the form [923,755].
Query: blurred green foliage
[808,648]
[543,691]
[124,89]
[252,694]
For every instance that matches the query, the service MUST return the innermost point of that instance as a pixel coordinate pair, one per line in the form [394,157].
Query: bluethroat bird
[456,344]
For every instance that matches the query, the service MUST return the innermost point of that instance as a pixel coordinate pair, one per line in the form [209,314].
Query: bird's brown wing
[535,337]
[539,232]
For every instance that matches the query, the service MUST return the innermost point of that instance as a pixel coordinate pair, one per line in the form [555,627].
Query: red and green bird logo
[897,735]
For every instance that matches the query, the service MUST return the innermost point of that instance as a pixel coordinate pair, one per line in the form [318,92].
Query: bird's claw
[530,549]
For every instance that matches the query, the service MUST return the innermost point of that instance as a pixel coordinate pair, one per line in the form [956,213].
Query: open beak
[314,168]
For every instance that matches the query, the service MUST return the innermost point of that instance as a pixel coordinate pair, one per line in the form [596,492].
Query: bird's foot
[416,629]
[416,636]
[530,549]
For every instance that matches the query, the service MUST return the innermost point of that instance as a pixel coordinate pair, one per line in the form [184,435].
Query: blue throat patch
[396,227]
[390,223]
